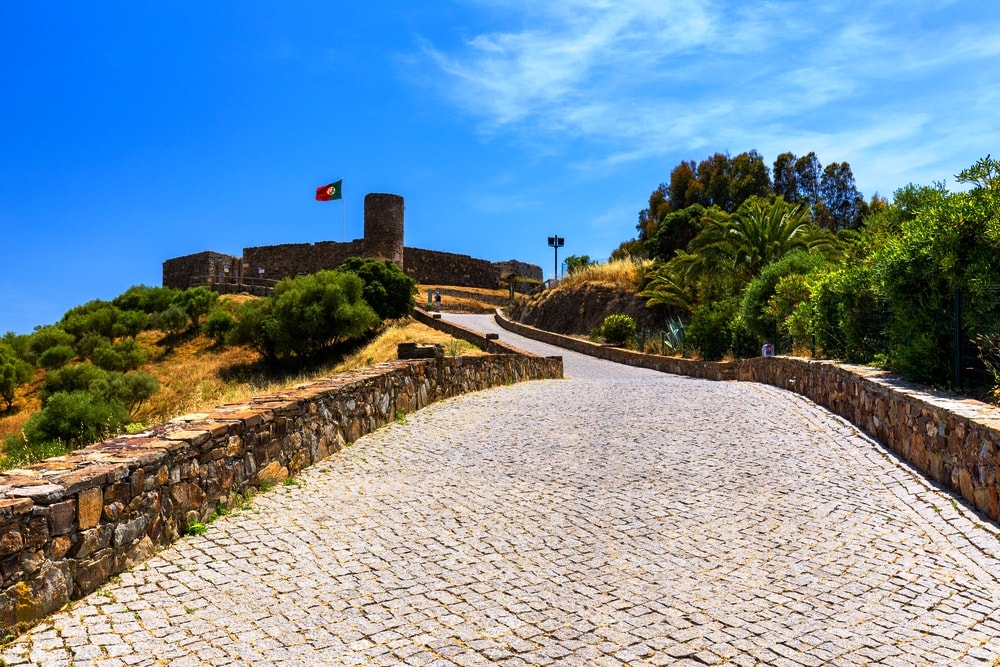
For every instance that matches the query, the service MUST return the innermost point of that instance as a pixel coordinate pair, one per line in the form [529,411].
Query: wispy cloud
[649,78]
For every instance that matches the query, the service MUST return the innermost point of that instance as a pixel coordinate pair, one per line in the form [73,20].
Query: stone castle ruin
[260,268]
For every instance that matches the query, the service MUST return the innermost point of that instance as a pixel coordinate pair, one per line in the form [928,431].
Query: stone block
[89,506]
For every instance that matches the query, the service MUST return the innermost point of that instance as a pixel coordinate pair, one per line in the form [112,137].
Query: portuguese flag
[329,192]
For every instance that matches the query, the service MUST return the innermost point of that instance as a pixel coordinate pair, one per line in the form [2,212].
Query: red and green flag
[329,192]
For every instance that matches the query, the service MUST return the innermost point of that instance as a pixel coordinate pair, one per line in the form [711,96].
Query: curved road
[617,517]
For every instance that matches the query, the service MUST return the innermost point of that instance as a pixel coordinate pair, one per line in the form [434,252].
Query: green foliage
[575,263]
[95,317]
[56,357]
[196,302]
[149,300]
[675,232]
[847,314]
[308,314]
[387,289]
[195,528]
[173,320]
[709,331]
[218,325]
[13,371]
[618,329]
[763,317]
[44,338]
[131,390]
[18,452]
[122,356]
[76,418]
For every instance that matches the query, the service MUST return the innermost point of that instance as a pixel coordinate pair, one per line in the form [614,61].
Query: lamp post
[556,242]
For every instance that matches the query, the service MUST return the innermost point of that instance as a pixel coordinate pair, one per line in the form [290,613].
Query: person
[767,350]
[437,300]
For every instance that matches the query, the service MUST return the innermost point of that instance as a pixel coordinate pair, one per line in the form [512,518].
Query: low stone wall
[71,522]
[954,440]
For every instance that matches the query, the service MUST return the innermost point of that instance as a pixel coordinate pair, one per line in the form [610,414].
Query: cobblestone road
[618,517]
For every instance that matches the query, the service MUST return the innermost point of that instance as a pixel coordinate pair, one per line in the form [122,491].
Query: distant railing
[240,285]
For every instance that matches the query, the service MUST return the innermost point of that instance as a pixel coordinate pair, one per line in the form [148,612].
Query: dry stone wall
[953,440]
[71,522]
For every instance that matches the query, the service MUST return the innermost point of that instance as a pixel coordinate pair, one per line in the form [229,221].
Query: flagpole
[343,211]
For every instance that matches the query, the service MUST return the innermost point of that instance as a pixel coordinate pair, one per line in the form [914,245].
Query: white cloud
[640,80]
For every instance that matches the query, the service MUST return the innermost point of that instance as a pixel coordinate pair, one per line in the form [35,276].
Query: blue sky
[133,132]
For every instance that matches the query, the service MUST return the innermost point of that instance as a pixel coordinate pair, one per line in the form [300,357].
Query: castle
[260,268]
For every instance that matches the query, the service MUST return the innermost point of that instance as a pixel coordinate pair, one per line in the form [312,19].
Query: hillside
[195,375]
[584,298]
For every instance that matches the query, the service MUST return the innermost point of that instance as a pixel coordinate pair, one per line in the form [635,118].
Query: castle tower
[384,227]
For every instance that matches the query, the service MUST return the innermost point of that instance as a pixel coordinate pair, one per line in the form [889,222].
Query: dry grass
[626,274]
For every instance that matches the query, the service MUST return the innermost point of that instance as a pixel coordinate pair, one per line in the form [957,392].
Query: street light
[556,242]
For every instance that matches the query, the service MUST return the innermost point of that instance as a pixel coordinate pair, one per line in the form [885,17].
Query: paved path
[619,517]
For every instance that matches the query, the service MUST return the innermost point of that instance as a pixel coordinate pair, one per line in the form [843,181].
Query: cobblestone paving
[618,517]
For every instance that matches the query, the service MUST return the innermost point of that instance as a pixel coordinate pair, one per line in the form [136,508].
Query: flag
[329,192]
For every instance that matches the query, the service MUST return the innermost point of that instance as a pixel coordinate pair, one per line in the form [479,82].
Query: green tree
[196,302]
[759,233]
[842,203]
[387,289]
[14,371]
[142,298]
[808,172]
[45,337]
[675,232]
[309,314]
[217,325]
[173,320]
[786,182]
[576,263]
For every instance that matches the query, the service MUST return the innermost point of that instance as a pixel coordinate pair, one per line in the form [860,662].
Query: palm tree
[758,233]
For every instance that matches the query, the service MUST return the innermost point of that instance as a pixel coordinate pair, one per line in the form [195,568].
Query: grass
[626,274]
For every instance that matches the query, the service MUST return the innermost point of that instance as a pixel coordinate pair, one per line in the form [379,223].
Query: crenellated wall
[383,239]
[953,440]
[71,522]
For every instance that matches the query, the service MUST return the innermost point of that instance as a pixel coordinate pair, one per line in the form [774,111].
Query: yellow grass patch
[623,273]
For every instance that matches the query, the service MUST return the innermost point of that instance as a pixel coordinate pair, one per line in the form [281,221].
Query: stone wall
[430,267]
[953,440]
[71,522]
[199,268]
[290,259]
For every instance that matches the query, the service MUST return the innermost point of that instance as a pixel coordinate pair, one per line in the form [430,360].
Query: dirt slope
[578,309]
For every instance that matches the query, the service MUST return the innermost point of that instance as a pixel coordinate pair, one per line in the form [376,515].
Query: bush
[47,337]
[217,325]
[196,302]
[56,357]
[618,329]
[710,330]
[149,300]
[387,289]
[309,314]
[13,371]
[173,320]
[76,419]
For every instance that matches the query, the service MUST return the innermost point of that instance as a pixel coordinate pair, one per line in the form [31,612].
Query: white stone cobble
[617,517]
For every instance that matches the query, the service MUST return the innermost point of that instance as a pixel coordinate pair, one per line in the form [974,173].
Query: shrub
[618,329]
[13,371]
[217,325]
[387,289]
[710,331]
[173,320]
[76,418]
[56,357]
[309,314]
